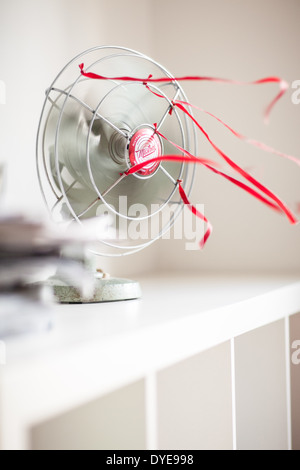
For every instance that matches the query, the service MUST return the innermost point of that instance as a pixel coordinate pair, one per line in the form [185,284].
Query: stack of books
[30,253]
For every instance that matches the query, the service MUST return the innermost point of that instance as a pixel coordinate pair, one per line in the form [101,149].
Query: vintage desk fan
[88,132]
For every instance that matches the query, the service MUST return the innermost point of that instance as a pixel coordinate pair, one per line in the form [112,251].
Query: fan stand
[106,289]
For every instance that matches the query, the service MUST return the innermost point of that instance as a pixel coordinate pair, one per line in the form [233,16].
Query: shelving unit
[198,363]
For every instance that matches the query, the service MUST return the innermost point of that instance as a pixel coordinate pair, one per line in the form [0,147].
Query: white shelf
[94,349]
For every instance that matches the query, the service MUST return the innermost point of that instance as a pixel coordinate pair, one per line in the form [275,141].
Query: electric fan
[91,132]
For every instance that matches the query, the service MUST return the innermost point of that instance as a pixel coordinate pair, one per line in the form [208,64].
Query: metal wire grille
[71,169]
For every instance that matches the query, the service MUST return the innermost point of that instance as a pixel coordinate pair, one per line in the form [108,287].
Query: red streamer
[292,218]
[198,214]
[283,85]
[207,164]
[268,197]
[187,159]
[170,158]
[282,207]
[255,143]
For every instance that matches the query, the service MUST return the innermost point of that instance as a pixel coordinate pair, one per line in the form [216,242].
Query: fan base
[106,290]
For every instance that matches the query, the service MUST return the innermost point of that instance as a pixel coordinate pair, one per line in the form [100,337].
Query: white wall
[242,40]
[37,38]
[228,38]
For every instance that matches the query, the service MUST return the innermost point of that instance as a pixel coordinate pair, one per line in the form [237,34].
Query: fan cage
[53,189]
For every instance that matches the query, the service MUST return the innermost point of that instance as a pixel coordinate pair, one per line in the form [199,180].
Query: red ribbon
[188,159]
[170,158]
[281,206]
[283,85]
[292,218]
[209,165]
[255,143]
[197,213]
[268,197]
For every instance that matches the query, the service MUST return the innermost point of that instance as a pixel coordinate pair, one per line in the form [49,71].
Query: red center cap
[144,146]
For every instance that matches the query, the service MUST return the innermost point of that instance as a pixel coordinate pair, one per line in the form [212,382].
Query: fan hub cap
[145,145]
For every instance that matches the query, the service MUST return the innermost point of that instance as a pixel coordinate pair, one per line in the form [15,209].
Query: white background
[228,38]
